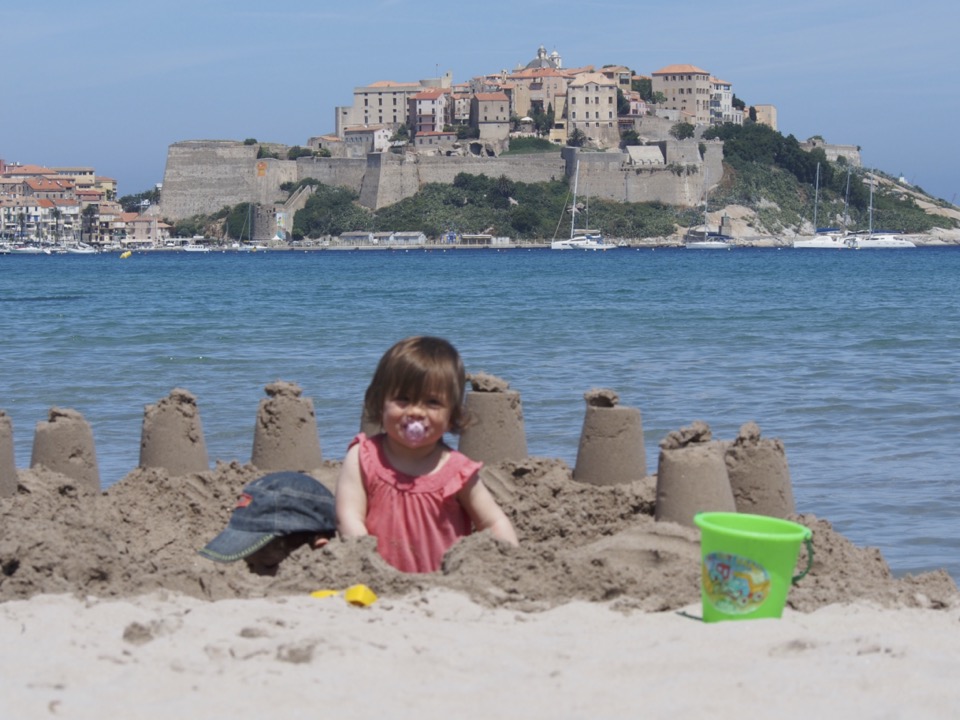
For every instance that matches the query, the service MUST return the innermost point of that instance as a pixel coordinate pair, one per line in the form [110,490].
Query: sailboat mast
[816,199]
[573,208]
[870,214]
[846,199]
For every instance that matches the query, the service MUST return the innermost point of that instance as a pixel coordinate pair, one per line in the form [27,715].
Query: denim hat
[272,506]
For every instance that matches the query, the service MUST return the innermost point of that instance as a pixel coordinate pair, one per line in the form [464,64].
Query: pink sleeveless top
[415,519]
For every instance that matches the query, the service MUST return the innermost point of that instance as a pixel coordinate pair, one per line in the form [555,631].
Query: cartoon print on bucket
[734,585]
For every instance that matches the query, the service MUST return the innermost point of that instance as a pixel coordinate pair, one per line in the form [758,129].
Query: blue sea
[852,359]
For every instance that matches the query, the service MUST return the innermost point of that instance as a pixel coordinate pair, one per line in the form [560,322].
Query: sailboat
[706,239]
[583,239]
[248,226]
[828,237]
[879,240]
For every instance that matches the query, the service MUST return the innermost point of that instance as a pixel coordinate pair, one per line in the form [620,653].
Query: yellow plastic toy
[359,595]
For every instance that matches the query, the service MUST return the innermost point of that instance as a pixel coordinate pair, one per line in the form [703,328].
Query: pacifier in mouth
[414,431]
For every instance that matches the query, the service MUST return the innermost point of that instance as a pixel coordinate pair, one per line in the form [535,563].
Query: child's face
[416,423]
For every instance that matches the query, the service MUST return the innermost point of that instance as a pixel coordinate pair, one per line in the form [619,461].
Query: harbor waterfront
[850,358]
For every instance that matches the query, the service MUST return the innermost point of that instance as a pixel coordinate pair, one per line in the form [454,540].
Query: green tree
[623,105]
[402,134]
[296,151]
[682,130]
[630,137]
[137,202]
[577,138]
[89,220]
[331,211]
[644,86]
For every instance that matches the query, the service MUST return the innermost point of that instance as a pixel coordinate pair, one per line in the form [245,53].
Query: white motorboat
[195,248]
[582,239]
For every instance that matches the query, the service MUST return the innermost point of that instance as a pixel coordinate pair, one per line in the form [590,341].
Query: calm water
[851,358]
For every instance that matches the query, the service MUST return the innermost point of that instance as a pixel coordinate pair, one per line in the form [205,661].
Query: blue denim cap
[272,506]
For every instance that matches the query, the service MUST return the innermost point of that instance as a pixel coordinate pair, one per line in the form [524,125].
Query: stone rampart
[201,176]
[347,172]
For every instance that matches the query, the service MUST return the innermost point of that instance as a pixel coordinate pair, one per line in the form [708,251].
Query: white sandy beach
[436,654]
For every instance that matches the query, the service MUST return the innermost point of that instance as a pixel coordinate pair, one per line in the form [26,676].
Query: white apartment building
[721,104]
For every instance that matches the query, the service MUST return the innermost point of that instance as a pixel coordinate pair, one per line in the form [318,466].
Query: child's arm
[351,498]
[485,513]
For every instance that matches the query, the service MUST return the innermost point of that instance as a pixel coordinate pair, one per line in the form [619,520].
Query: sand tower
[8,462]
[692,475]
[759,476]
[611,449]
[285,437]
[172,437]
[495,431]
[64,444]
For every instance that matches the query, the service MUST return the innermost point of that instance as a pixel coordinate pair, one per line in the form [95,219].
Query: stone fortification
[346,172]
[201,176]
[390,178]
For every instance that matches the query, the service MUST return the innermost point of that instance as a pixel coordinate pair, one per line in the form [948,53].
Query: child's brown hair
[416,367]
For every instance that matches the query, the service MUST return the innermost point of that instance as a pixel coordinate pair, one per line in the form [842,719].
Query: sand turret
[759,476]
[172,436]
[64,444]
[692,475]
[285,436]
[611,449]
[495,431]
[8,463]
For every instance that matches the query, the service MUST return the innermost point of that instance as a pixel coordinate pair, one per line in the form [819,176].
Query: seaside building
[721,104]
[766,115]
[430,111]
[490,113]
[687,90]
[384,102]
[592,109]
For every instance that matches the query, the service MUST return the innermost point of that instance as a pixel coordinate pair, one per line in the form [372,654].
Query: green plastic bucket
[748,563]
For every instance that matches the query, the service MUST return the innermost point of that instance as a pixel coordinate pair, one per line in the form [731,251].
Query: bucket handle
[808,541]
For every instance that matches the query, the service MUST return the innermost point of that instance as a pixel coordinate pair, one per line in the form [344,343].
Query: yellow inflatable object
[125,254]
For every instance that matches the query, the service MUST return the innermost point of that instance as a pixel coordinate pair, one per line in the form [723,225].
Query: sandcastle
[172,435]
[495,431]
[695,473]
[698,474]
[64,444]
[579,541]
[611,449]
[285,436]
[8,467]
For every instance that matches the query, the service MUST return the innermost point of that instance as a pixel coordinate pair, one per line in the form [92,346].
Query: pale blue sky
[112,83]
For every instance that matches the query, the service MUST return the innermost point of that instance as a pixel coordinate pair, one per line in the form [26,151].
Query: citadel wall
[201,177]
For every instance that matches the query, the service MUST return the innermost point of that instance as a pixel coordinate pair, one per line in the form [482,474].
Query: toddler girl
[405,485]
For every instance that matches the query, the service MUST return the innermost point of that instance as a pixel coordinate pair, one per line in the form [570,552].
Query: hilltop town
[630,138]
